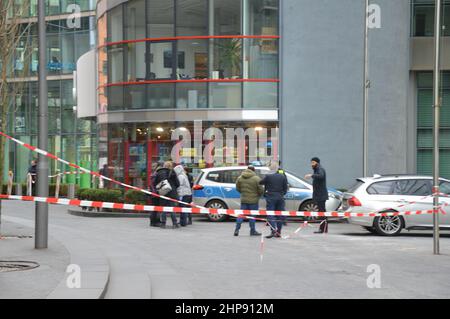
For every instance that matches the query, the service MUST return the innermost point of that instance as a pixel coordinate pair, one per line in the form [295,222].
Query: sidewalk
[36,283]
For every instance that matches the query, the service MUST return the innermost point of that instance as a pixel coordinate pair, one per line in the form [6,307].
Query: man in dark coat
[166,173]
[320,191]
[276,187]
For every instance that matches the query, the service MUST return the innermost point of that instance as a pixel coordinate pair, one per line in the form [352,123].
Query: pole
[41,228]
[437,106]
[366,93]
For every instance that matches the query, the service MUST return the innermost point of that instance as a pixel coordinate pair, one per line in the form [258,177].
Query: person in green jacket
[248,186]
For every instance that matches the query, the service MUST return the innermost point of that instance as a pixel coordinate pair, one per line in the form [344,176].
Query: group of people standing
[274,187]
[175,183]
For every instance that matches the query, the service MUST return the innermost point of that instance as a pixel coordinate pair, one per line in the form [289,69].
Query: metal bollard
[10,183]
[71,191]
[29,185]
[19,189]
[58,185]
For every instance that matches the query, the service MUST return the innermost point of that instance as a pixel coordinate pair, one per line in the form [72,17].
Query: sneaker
[270,236]
[176,226]
[236,233]
[255,233]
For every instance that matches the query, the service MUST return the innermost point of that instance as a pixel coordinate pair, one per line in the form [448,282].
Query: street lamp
[366,93]
[437,107]
[41,227]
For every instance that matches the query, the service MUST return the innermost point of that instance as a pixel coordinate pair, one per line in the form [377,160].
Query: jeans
[276,202]
[168,203]
[184,216]
[252,222]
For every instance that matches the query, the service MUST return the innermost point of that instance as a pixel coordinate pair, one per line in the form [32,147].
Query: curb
[83,213]
[94,265]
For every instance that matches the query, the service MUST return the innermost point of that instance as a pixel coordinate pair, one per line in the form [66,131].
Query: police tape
[202,210]
[56,158]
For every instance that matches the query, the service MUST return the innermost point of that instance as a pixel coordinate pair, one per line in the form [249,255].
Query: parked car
[216,188]
[387,194]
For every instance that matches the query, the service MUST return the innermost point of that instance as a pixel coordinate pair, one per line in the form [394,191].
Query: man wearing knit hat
[320,191]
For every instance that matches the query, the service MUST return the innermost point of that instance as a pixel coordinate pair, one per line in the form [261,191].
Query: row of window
[423,13]
[190,59]
[139,19]
[407,187]
[80,148]
[231,176]
[258,95]
[62,119]
[425,124]
[64,47]
[29,8]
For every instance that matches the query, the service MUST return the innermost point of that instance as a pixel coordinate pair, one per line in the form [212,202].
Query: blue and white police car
[216,188]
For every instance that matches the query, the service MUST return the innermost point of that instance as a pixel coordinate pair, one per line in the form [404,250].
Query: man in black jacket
[320,191]
[276,187]
[166,173]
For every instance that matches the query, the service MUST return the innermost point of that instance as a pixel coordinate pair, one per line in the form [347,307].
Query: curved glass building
[171,64]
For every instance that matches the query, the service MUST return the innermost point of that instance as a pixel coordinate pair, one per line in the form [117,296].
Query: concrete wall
[322,54]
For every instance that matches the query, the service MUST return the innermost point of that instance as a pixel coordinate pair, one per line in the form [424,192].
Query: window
[224,177]
[230,177]
[192,17]
[115,24]
[294,182]
[414,187]
[381,188]
[425,125]
[160,18]
[423,18]
[445,188]
[135,20]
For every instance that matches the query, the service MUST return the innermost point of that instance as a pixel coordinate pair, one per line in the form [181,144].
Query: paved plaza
[206,261]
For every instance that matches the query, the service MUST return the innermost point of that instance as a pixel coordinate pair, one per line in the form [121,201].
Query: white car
[395,194]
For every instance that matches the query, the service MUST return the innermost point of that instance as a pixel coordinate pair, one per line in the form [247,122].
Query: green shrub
[135,197]
[101,195]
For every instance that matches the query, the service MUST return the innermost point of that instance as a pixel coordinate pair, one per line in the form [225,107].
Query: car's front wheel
[309,206]
[217,204]
[388,225]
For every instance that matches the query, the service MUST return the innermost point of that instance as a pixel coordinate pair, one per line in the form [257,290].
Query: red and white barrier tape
[54,157]
[195,210]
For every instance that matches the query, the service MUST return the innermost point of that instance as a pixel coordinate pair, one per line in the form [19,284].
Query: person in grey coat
[184,192]
[320,191]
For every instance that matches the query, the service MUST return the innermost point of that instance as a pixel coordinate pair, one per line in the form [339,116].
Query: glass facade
[159,54]
[423,12]
[53,7]
[425,124]
[70,138]
[129,150]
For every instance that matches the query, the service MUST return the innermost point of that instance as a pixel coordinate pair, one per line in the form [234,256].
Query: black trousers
[322,208]
[154,216]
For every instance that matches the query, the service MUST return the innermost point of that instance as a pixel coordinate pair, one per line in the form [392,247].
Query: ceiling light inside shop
[258,128]
[159,129]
